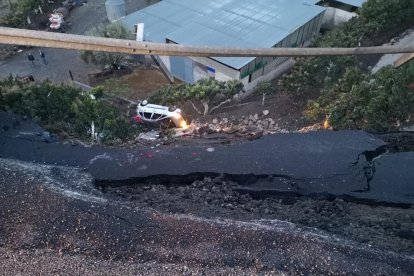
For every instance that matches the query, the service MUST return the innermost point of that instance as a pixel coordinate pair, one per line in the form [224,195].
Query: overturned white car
[153,113]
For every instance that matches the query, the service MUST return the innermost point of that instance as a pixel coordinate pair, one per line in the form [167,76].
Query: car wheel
[143,103]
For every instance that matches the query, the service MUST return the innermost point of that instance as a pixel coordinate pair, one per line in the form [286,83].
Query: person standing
[43,56]
[31,58]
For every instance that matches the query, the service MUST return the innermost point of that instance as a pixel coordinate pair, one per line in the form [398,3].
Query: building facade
[228,23]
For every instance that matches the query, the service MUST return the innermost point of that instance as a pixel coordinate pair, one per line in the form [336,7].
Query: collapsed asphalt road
[205,210]
[55,211]
[349,164]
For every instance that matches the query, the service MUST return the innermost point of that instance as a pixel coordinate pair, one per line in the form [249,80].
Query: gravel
[47,262]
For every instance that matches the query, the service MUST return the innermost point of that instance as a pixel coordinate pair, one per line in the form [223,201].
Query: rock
[230,130]
[215,121]
[225,121]
[265,112]
[210,149]
[253,129]
[205,130]
[242,130]
[149,136]
[256,117]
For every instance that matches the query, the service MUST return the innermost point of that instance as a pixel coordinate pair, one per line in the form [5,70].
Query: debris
[149,136]
[210,149]
[265,112]
[205,130]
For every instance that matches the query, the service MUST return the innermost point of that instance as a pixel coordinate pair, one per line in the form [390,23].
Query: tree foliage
[377,18]
[19,10]
[105,59]
[211,93]
[349,97]
[64,108]
[379,102]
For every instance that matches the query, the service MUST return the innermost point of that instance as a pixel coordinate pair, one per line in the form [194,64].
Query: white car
[153,113]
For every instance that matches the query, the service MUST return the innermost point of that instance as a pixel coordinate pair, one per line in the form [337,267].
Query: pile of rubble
[252,126]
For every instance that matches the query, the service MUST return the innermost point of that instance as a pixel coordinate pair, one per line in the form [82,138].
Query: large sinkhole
[208,192]
[232,197]
[223,190]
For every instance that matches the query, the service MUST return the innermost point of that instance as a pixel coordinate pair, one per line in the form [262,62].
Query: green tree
[378,21]
[105,59]
[65,109]
[379,102]
[264,88]
[211,93]
[19,10]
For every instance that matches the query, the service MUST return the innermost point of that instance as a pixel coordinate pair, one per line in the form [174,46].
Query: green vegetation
[19,10]
[379,102]
[212,94]
[264,88]
[105,59]
[65,109]
[378,21]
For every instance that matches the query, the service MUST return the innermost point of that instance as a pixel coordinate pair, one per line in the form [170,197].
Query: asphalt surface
[346,163]
[40,218]
[60,61]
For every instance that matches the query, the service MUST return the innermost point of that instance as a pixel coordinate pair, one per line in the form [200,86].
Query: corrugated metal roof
[225,23]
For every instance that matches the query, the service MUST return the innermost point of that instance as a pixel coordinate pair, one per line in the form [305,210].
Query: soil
[384,227]
[398,142]
[139,85]
[283,109]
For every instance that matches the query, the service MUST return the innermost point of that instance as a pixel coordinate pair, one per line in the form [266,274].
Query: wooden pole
[79,42]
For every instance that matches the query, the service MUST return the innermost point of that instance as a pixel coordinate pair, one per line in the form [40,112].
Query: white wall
[166,61]
[222,77]
[221,70]
[280,70]
[334,17]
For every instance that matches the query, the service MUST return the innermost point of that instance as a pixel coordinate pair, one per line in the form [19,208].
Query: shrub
[377,17]
[211,93]
[105,59]
[65,108]
[18,12]
[380,102]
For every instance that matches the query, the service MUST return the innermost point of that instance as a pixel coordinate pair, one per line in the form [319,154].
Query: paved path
[334,162]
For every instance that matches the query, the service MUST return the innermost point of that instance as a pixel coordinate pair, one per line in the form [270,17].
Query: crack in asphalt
[369,167]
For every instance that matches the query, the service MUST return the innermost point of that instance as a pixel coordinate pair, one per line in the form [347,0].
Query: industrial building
[228,23]
[338,11]
[346,5]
